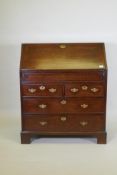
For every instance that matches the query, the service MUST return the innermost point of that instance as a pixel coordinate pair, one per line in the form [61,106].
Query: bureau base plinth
[26,137]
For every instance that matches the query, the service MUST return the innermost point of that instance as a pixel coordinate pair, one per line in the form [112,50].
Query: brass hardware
[42,106]
[52,90]
[84,88]
[84,106]
[94,89]
[101,66]
[43,123]
[62,46]
[42,88]
[74,90]
[63,119]
[32,90]
[83,123]
[63,102]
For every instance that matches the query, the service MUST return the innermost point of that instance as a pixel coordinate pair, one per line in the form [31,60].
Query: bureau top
[63,56]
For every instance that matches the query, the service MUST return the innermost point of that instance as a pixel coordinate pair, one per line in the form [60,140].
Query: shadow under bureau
[63,90]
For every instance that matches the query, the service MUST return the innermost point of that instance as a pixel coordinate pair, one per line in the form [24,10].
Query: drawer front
[84,89]
[57,77]
[58,105]
[64,123]
[42,90]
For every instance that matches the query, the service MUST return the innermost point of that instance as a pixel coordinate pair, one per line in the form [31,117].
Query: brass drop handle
[32,90]
[43,123]
[94,90]
[84,88]
[83,123]
[63,118]
[52,90]
[42,106]
[84,106]
[74,90]
[63,102]
[42,88]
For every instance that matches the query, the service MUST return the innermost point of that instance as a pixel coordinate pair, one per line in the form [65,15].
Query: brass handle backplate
[84,106]
[63,102]
[43,123]
[63,118]
[74,90]
[84,88]
[42,88]
[94,89]
[83,123]
[52,90]
[42,106]
[32,90]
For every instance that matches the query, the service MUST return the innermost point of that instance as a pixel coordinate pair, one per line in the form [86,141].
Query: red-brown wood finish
[63,90]
[42,90]
[63,105]
[64,123]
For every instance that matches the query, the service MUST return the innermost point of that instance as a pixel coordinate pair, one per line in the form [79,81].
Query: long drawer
[64,123]
[60,105]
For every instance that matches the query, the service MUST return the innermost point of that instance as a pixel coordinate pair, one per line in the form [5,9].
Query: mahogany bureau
[63,90]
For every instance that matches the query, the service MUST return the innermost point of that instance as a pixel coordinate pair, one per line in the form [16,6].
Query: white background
[54,21]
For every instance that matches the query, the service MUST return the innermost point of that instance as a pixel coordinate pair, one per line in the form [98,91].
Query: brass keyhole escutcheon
[83,123]
[62,46]
[63,102]
[42,88]
[63,118]
[42,106]
[84,88]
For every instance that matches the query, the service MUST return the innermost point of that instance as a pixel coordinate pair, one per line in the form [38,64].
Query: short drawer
[64,123]
[42,90]
[58,105]
[84,89]
[63,76]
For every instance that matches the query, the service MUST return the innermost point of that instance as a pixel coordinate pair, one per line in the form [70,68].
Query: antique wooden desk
[63,90]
